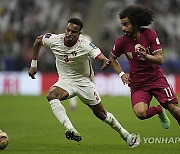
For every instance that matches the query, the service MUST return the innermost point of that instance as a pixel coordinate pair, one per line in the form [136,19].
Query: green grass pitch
[33,128]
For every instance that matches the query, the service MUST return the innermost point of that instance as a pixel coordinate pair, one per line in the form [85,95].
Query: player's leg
[90,97]
[55,96]
[175,111]
[132,139]
[167,98]
[140,102]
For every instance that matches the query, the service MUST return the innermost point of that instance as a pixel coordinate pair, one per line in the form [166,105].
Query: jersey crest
[74,53]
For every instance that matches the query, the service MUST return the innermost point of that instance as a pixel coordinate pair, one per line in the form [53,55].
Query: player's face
[127,27]
[72,33]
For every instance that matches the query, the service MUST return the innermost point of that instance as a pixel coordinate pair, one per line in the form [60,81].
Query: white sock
[60,113]
[111,120]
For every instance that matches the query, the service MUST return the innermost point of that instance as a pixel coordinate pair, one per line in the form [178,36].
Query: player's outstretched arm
[106,62]
[115,64]
[36,49]
[117,68]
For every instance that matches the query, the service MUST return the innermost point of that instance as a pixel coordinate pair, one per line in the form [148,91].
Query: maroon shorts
[164,95]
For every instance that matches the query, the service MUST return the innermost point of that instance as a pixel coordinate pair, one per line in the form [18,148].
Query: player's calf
[175,111]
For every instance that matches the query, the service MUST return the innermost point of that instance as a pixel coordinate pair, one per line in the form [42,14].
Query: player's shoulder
[148,31]
[83,39]
[50,38]
[86,42]
[53,36]
[121,40]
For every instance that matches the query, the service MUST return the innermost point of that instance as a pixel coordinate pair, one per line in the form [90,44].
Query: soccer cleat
[133,140]
[72,134]
[164,119]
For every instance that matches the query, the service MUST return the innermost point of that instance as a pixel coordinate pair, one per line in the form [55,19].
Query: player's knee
[140,114]
[50,97]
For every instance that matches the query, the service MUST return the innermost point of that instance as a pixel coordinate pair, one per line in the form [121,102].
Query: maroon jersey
[142,73]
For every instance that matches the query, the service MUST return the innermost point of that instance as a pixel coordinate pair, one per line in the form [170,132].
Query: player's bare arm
[106,62]
[156,58]
[36,49]
[116,66]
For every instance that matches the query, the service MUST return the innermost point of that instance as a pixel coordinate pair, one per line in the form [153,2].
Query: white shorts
[87,94]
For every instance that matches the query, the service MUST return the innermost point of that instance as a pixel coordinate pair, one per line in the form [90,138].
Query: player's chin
[69,41]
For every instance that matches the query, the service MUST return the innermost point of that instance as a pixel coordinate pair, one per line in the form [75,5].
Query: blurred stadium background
[21,21]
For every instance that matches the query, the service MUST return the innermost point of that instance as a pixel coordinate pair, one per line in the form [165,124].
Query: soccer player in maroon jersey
[146,78]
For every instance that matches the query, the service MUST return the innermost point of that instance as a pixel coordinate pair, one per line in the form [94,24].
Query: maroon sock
[159,109]
[153,111]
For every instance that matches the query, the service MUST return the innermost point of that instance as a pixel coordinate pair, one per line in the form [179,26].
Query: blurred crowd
[21,21]
[166,24]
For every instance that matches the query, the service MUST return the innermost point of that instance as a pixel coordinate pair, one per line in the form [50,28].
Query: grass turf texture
[33,128]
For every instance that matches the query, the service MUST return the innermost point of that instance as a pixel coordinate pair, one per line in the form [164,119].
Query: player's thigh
[165,96]
[88,94]
[62,90]
[140,96]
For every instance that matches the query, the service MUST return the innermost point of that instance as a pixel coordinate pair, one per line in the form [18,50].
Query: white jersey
[73,63]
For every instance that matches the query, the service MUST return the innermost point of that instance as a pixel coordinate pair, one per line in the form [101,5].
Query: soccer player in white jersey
[76,78]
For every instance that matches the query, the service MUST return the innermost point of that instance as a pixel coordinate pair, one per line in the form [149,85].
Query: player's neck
[135,35]
[68,44]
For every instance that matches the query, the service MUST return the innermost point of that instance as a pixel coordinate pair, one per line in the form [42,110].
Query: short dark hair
[138,15]
[76,21]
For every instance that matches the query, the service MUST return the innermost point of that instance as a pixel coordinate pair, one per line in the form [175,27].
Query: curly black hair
[76,21]
[138,15]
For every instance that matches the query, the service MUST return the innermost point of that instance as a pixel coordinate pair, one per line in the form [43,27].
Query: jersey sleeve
[154,41]
[94,51]
[116,50]
[48,39]
[91,48]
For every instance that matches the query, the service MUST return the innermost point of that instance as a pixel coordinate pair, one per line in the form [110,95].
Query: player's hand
[32,72]
[106,65]
[141,51]
[125,79]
